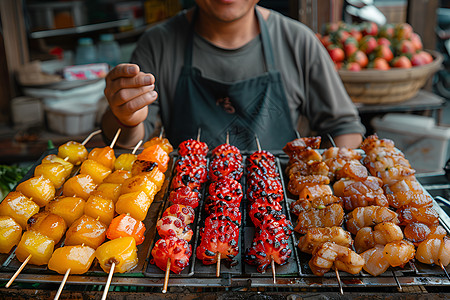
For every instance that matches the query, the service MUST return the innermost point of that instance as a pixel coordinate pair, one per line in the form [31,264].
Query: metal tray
[295,273]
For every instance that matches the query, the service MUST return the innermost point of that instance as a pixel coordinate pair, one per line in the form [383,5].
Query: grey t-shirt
[312,86]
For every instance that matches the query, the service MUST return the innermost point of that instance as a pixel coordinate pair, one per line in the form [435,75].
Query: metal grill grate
[293,276]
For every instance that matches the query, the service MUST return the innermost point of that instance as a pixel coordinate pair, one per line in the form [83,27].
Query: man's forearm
[128,137]
[350,140]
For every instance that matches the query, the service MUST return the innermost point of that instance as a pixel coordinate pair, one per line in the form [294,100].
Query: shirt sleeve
[143,56]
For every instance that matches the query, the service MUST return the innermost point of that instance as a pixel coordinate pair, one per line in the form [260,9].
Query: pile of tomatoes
[369,46]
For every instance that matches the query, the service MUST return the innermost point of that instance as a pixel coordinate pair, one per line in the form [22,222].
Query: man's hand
[129,92]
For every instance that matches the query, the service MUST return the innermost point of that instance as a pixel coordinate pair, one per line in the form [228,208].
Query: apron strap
[266,44]
[265,40]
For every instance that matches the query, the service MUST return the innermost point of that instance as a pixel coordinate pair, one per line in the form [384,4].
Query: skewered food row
[23,203]
[220,233]
[82,225]
[91,213]
[45,229]
[418,220]
[119,254]
[264,192]
[136,195]
[308,178]
[320,213]
[384,237]
[173,251]
[87,230]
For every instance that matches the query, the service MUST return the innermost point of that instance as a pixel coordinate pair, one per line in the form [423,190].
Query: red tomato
[427,56]
[350,47]
[353,66]
[368,44]
[381,64]
[403,31]
[418,60]
[416,41]
[401,62]
[336,53]
[384,41]
[386,31]
[361,58]
[385,52]
[356,34]
[407,47]
[370,28]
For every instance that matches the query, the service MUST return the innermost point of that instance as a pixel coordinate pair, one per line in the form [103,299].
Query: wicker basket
[395,85]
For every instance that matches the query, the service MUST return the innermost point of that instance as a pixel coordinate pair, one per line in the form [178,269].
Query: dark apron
[243,109]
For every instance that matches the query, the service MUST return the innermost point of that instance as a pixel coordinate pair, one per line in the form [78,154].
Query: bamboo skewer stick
[61,286]
[257,143]
[18,271]
[166,276]
[199,134]
[136,147]
[399,286]
[218,264]
[443,269]
[90,136]
[63,282]
[115,138]
[161,133]
[228,138]
[331,140]
[108,282]
[341,290]
[274,274]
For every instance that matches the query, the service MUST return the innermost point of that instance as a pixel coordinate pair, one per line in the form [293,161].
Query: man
[229,68]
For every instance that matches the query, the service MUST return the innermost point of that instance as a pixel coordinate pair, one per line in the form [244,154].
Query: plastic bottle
[86,52]
[108,50]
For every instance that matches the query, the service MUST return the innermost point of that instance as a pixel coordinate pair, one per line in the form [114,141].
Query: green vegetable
[9,177]
[50,145]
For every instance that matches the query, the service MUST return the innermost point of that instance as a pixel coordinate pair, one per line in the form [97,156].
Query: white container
[27,111]
[423,143]
[71,119]
[78,92]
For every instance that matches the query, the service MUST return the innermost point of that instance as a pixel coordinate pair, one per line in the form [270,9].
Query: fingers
[134,105]
[123,70]
[123,96]
[134,110]
[129,91]
[137,81]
